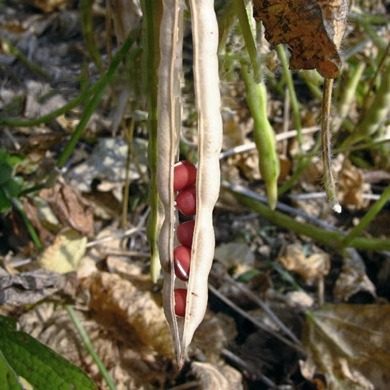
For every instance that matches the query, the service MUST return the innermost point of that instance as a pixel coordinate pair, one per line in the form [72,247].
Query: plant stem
[30,228]
[247,33]
[89,347]
[291,91]
[152,13]
[348,94]
[368,217]
[87,28]
[332,239]
[376,114]
[90,107]
[326,148]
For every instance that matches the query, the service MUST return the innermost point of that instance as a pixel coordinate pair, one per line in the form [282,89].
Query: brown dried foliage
[312,29]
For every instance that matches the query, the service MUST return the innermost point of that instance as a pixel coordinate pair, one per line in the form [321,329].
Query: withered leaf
[348,345]
[28,287]
[312,29]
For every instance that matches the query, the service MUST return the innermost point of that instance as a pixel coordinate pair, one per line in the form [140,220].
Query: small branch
[255,322]
[329,182]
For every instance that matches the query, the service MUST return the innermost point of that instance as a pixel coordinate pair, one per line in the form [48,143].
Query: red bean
[185,232]
[184,175]
[181,261]
[186,201]
[180,301]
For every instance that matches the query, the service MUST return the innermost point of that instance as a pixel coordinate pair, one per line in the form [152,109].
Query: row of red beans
[184,186]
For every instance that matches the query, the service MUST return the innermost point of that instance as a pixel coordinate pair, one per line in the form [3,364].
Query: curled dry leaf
[352,186]
[353,278]
[212,377]
[28,287]
[118,301]
[312,29]
[69,208]
[349,345]
[66,252]
[216,332]
[310,268]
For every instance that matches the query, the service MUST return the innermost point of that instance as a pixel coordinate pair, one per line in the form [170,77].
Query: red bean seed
[184,175]
[185,232]
[181,261]
[180,301]
[186,201]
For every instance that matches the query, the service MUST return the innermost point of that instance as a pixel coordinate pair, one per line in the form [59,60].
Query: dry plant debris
[312,29]
[349,346]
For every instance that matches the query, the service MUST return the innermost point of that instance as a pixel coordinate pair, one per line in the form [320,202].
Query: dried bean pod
[169,124]
[205,42]
[206,78]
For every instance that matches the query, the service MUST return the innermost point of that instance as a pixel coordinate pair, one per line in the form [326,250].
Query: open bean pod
[206,78]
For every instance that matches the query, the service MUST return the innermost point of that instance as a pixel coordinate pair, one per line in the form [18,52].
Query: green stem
[329,238]
[348,94]
[247,33]
[90,107]
[368,217]
[18,122]
[87,27]
[376,114]
[89,347]
[291,91]
[35,68]
[30,228]
[152,12]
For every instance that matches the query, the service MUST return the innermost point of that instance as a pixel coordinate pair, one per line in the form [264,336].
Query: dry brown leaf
[352,186]
[312,29]
[216,332]
[66,252]
[120,302]
[353,278]
[69,207]
[310,268]
[28,287]
[349,345]
[212,377]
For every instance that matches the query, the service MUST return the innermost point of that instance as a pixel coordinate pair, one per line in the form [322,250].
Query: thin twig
[279,206]
[245,367]
[329,182]
[265,307]
[255,322]
[279,137]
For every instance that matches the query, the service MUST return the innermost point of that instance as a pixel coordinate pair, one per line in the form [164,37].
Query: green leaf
[42,367]
[8,378]
[5,172]
[13,188]
[5,203]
